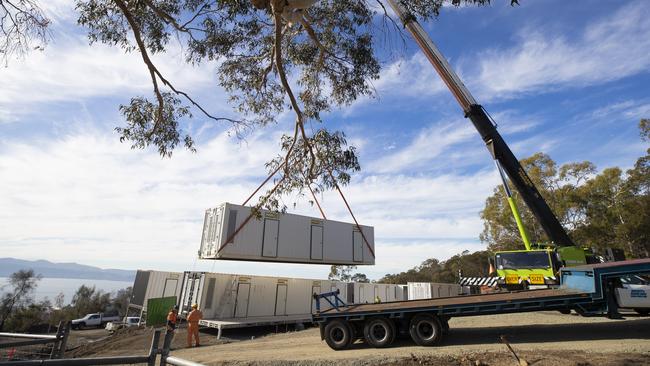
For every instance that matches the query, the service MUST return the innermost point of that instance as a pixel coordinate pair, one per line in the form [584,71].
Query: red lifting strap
[232,236]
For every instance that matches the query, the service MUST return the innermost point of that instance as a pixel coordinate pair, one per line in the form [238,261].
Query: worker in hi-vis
[193,325]
[172,318]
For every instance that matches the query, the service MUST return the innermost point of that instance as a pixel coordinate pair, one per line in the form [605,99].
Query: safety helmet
[194,306]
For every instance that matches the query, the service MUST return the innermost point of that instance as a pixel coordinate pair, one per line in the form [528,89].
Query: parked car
[94,320]
[129,321]
[634,294]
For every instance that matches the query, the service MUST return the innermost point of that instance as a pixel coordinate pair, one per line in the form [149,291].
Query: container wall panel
[159,284]
[281,237]
[427,290]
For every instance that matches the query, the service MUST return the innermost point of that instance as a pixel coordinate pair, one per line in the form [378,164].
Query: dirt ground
[547,338]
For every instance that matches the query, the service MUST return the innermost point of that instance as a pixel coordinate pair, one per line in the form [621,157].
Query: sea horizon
[50,287]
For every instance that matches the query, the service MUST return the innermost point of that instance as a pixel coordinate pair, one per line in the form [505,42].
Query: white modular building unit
[230,233]
[428,290]
[419,290]
[233,297]
[366,293]
[154,284]
[445,290]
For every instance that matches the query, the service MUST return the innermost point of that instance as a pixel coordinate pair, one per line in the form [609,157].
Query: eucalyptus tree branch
[277,8]
[156,74]
[22,23]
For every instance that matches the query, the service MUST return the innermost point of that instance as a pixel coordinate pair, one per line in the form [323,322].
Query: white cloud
[613,48]
[408,78]
[412,77]
[428,145]
[87,198]
[70,70]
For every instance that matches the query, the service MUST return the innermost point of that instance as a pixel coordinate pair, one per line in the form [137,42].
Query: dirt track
[547,338]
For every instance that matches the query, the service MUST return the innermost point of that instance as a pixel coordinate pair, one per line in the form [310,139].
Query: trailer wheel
[444,323]
[425,330]
[379,332]
[642,311]
[338,334]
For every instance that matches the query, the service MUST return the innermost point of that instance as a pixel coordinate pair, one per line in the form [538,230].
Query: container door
[281,300]
[140,288]
[241,304]
[315,290]
[316,242]
[191,290]
[362,295]
[270,240]
[357,244]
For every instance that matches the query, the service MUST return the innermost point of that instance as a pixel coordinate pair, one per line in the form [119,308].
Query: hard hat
[194,306]
[176,307]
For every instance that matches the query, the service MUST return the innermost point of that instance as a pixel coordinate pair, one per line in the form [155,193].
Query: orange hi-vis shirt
[194,316]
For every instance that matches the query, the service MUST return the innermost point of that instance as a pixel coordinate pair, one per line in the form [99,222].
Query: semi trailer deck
[232,323]
[586,289]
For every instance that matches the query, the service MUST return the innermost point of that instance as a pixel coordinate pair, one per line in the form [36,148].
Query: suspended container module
[229,232]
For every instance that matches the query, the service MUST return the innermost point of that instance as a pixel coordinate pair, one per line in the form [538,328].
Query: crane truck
[537,264]
[588,289]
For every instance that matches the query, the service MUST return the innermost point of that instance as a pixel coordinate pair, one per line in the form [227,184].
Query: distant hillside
[64,270]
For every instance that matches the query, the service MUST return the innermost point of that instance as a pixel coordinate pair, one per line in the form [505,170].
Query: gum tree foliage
[23,27]
[433,270]
[599,210]
[344,273]
[17,293]
[306,57]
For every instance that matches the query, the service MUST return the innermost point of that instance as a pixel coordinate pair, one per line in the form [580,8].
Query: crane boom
[493,140]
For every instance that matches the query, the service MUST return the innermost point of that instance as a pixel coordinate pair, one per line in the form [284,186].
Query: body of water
[51,287]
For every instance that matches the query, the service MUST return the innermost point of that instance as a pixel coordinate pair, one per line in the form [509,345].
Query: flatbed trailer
[586,289]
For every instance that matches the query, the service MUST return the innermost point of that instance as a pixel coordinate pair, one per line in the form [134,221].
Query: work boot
[615,316]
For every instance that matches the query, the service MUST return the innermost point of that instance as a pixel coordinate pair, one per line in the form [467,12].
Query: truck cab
[535,268]
[519,269]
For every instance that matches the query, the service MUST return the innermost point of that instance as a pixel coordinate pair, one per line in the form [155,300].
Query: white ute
[93,320]
[634,294]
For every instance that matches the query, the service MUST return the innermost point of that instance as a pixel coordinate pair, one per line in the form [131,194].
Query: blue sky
[563,77]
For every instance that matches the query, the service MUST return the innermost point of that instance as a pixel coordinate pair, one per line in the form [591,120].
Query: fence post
[169,336]
[55,345]
[64,342]
[153,351]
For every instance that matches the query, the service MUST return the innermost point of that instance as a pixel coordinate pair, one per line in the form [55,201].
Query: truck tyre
[379,332]
[425,330]
[642,311]
[444,323]
[338,334]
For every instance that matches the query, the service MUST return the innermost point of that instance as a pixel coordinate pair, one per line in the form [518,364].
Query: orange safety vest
[194,316]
